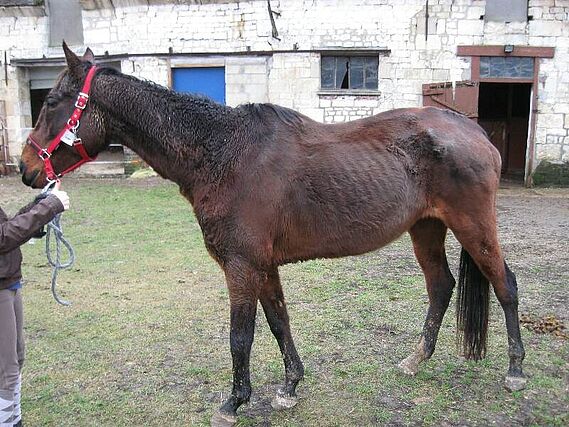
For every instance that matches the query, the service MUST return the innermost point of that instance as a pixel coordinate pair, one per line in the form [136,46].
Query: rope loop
[54,255]
[55,259]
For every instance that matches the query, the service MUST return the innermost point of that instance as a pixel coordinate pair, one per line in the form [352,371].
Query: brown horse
[270,186]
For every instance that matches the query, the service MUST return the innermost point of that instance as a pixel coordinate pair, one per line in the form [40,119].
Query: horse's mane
[267,112]
[197,100]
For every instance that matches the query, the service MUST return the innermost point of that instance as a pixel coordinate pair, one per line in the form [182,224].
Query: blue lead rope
[54,256]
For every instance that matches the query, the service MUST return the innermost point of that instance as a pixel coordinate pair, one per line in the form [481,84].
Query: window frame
[356,53]
[487,70]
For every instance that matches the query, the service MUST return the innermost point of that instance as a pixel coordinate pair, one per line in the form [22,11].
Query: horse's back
[446,148]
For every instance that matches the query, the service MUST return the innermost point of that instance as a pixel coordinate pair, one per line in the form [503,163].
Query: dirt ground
[534,233]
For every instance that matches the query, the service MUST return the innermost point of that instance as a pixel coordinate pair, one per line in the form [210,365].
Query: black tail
[472,305]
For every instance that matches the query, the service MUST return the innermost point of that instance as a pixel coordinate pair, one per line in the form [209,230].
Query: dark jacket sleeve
[18,230]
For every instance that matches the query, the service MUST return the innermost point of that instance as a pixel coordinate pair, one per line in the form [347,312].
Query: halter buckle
[44,154]
[82,100]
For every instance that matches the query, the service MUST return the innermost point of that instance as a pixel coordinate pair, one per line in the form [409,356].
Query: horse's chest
[217,235]
[213,213]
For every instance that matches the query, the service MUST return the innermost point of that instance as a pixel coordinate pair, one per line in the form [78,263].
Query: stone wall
[550,27]
[151,36]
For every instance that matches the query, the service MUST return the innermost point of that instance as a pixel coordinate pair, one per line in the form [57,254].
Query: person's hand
[61,195]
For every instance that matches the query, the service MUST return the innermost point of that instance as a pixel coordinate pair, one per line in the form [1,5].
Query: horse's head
[69,130]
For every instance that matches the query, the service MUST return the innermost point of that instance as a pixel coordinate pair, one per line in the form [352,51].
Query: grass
[146,339]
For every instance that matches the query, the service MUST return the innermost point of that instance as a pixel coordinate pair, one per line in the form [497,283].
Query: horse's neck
[174,134]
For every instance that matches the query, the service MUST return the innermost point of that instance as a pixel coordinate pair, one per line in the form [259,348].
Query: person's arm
[18,230]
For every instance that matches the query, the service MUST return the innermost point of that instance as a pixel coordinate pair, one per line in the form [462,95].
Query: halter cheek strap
[68,135]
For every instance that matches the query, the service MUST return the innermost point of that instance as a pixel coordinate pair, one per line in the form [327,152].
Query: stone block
[441,26]
[22,11]
[535,12]
[550,121]
[548,151]
[234,69]
[475,12]
[366,102]
[558,132]
[343,101]
[545,28]
[441,75]
[553,139]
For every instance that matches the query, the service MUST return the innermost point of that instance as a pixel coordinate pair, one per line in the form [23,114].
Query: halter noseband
[68,135]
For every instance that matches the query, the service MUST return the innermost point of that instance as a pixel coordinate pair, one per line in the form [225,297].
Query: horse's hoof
[515,383]
[220,419]
[280,401]
[408,366]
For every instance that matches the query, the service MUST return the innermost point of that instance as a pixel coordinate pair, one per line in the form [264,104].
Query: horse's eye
[51,101]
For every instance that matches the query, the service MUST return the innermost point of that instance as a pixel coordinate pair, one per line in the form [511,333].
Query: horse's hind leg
[477,233]
[272,300]
[428,236]
[515,380]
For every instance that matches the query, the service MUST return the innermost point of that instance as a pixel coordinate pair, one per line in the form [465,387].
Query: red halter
[68,135]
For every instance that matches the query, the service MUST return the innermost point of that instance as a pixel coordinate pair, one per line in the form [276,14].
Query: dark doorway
[37,96]
[503,112]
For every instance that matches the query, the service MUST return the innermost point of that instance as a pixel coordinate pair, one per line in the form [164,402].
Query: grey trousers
[11,355]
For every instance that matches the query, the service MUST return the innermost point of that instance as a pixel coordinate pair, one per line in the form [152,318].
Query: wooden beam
[498,50]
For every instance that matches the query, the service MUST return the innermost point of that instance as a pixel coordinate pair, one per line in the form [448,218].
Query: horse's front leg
[244,283]
[274,305]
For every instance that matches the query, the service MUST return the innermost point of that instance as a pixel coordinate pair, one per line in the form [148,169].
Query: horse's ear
[89,56]
[73,63]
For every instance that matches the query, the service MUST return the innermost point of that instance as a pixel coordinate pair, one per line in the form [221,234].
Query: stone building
[504,63]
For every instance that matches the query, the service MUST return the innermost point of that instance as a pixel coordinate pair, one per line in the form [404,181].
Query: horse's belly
[332,236]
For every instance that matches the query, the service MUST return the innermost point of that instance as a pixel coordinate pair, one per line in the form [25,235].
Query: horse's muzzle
[29,179]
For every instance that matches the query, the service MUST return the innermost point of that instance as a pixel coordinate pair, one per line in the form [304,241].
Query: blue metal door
[208,81]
